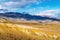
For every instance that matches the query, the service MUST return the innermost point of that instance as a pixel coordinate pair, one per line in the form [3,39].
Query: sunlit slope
[10,31]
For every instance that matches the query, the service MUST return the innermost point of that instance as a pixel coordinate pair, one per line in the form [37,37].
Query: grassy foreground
[29,31]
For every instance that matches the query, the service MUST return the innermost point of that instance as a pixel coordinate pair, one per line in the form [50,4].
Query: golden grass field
[29,31]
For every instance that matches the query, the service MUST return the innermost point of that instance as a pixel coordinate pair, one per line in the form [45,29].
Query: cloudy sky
[49,8]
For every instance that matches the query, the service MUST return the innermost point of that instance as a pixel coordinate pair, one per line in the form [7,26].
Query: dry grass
[29,31]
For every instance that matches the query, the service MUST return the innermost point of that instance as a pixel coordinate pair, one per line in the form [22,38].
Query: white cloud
[1,7]
[19,3]
[16,4]
[49,13]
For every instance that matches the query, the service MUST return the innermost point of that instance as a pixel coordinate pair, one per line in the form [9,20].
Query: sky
[50,8]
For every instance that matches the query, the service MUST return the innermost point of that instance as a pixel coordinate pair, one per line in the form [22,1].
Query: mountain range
[26,16]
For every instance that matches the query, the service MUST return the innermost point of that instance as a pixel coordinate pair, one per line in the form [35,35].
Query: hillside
[29,31]
[28,27]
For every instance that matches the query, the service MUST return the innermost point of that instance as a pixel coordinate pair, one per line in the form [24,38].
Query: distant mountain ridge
[26,16]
